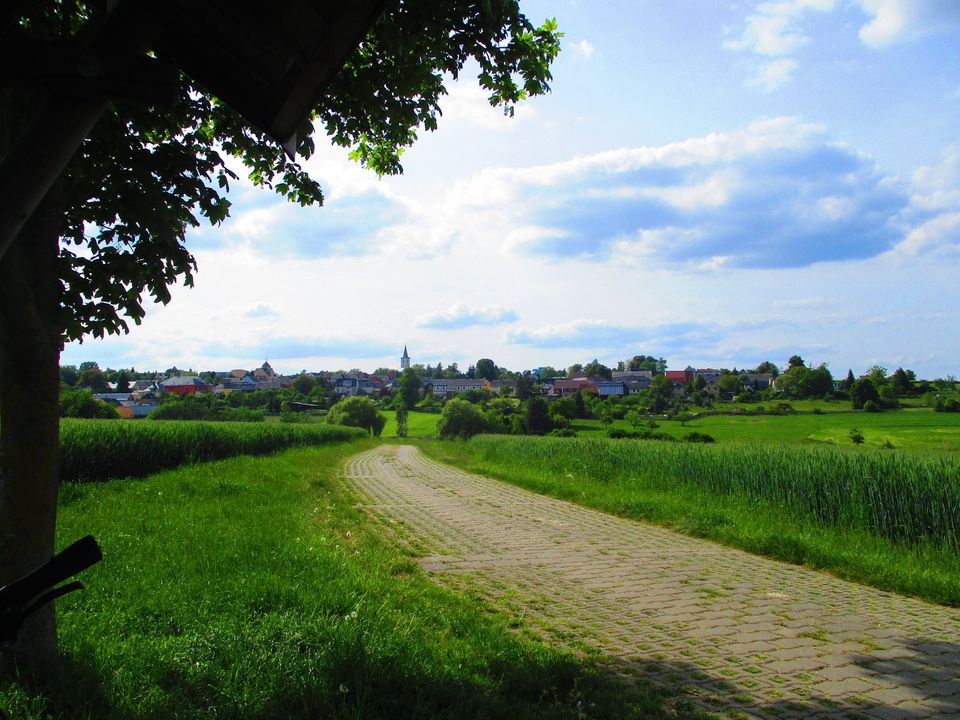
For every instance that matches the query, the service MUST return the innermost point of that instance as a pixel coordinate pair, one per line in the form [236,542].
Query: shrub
[562,432]
[871,407]
[856,437]
[699,437]
[357,412]
[461,419]
[82,404]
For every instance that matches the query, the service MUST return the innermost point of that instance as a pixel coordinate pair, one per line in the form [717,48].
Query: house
[756,381]
[681,377]
[633,375]
[497,386]
[444,387]
[185,385]
[708,374]
[264,372]
[563,388]
[351,385]
[611,387]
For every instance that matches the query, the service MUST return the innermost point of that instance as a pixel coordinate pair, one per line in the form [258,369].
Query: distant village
[133,398]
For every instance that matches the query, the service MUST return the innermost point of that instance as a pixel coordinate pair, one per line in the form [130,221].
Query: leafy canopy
[147,174]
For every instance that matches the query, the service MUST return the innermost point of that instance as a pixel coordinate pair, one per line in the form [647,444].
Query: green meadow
[918,429]
[255,588]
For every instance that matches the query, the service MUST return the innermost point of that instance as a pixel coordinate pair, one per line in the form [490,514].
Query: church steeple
[404,359]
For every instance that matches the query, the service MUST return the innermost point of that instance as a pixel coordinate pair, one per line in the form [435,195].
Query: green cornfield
[94,450]
[908,499]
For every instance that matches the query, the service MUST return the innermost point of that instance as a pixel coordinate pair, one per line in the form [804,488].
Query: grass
[918,429]
[254,588]
[419,424]
[92,450]
[891,520]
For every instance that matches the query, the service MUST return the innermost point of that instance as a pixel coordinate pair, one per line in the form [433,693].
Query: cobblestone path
[744,636]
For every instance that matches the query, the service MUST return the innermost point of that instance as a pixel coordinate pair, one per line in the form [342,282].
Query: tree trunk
[29,415]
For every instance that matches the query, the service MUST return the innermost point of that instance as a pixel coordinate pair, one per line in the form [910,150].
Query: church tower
[405,359]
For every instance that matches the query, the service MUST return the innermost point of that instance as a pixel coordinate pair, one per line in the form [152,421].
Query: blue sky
[717,183]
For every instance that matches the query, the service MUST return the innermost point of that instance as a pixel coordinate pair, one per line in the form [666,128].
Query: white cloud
[460,315]
[582,50]
[468,103]
[897,21]
[937,187]
[779,192]
[773,31]
[941,233]
[775,74]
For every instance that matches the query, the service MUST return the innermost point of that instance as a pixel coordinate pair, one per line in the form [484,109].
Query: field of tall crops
[905,498]
[92,450]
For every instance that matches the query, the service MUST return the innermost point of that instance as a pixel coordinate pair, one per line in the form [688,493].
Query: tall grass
[908,499]
[94,450]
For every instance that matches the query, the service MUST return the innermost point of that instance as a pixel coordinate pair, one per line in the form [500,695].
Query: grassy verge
[794,504]
[253,588]
[419,424]
[92,450]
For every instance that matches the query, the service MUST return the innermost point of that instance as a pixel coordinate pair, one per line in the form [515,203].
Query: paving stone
[745,636]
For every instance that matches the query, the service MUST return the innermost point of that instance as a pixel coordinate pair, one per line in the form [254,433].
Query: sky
[715,183]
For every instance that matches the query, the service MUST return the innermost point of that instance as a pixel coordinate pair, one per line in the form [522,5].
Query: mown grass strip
[255,588]
[94,450]
[888,519]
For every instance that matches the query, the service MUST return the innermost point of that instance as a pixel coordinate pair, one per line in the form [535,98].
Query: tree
[359,412]
[304,384]
[69,375]
[408,387]
[795,361]
[856,436]
[658,366]
[814,382]
[661,387]
[94,379]
[862,392]
[902,383]
[402,427]
[536,416]
[767,367]
[595,368]
[877,375]
[547,372]
[730,383]
[486,369]
[123,381]
[574,370]
[460,419]
[524,386]
[111,230]
[849,381]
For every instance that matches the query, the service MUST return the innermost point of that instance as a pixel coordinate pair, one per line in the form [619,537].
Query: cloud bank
[779,193]
[460,315]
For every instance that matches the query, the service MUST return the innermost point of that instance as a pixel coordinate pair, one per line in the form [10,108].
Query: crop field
[102,449]
[891,519]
